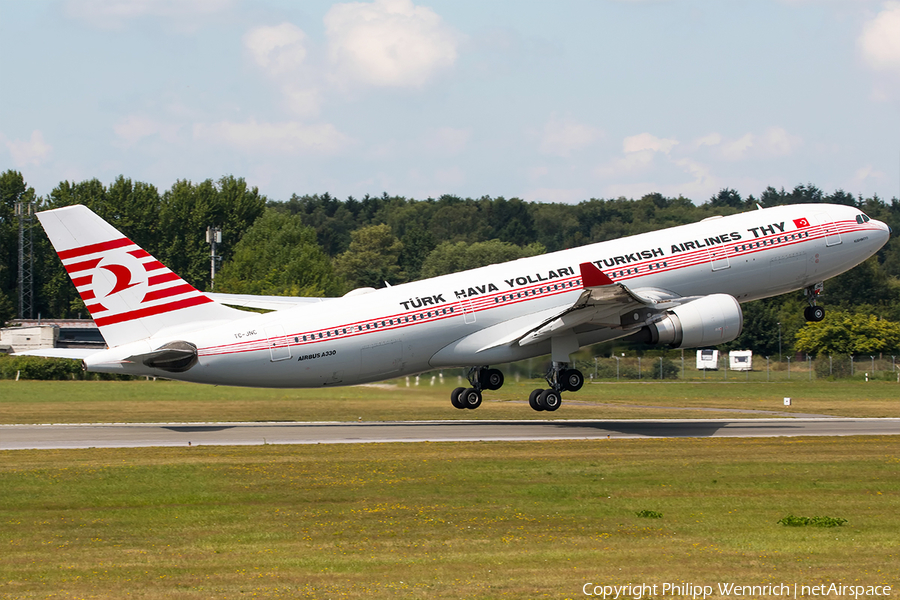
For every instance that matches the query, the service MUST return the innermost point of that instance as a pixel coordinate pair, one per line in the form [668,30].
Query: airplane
[680,287]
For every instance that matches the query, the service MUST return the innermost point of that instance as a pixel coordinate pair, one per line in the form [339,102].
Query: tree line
[319,245]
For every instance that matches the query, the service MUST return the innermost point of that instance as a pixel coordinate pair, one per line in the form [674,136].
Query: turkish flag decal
[801,223]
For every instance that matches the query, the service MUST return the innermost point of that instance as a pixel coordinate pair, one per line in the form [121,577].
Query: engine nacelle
[711,320]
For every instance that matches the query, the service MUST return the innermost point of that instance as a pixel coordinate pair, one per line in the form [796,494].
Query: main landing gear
[560,378]
[480,378]
[813,312]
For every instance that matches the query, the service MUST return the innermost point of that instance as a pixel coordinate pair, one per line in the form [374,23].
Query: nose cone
[880,235]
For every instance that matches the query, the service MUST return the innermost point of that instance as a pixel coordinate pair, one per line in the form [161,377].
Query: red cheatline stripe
[153,265]
[165,277]
[152,310]
[139,253]
[172,291]
[88,295]
[80,281]
[83,266]
[92,248]
[95,308]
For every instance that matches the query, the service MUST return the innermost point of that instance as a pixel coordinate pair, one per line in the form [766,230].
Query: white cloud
[289,137]
[114,14]
[32,152]
[561,137]
[279,49]
[880,39]
[867,172]
[281,52]
[774,142]
[449,141]
[713,139]
[639,153]
[645,141]
[133,128]
[390,43]
[737,149]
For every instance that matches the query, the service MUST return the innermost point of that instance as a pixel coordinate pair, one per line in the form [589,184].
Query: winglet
[591,276]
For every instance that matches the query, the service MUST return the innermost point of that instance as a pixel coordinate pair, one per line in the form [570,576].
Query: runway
[138,435]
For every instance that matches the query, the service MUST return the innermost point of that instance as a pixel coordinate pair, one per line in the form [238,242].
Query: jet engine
[174,357]
[708,321]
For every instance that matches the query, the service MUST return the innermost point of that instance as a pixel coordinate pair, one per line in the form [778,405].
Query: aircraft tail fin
[130,295]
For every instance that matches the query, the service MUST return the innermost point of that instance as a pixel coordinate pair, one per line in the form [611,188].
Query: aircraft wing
[602,303]
[72,353]
[262,302]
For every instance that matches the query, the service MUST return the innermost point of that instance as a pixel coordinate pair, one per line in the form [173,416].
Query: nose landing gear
[812,312]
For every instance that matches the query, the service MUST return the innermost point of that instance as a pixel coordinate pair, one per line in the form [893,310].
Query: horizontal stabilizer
[263,302]
[71,353]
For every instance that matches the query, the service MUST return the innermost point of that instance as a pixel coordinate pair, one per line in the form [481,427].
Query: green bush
[794,521]
[836,366]
[36,367]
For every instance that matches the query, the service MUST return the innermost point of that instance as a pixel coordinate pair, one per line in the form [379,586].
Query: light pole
[213,237]
[617,366]
[779,342]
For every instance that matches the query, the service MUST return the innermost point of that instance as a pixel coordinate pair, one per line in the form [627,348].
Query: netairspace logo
[637,591]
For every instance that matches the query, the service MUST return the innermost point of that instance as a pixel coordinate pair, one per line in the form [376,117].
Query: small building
[707,360]
[31,334]
[23,339]
[740,360]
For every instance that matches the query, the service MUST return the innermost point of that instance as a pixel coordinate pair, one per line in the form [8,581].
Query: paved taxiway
[135,435]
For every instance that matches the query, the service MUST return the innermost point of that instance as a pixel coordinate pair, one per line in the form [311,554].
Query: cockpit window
[861,218]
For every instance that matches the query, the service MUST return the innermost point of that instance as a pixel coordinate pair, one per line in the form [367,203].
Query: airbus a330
[680,287]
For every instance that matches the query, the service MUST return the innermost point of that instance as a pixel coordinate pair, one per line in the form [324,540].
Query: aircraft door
[832,235]
[468,310]
[279,346]
[718,258]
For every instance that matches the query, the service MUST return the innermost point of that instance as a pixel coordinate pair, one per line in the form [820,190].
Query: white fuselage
[448,321]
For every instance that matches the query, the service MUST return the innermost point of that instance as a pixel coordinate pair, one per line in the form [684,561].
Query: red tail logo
[120,282]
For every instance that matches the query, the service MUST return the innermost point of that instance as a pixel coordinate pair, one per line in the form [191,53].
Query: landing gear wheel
[550,400]
[455,397]
[814,313]
[470,398]
[491,379]
[533,400]
[571,380]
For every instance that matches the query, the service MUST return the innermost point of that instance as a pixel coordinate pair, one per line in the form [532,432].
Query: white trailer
[741,360]
[707,360]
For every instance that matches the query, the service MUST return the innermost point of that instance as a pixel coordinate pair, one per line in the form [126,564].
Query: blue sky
[554,102]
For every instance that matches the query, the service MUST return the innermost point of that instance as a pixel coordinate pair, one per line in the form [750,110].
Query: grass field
[167,401]
[445,520]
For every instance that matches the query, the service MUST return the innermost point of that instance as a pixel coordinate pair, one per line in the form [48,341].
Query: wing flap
[602,303]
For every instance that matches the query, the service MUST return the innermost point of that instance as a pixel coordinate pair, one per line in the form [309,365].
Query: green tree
[188,209]
[727,197]
[373,258]
[452,258]
[279,256]
[843,332]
